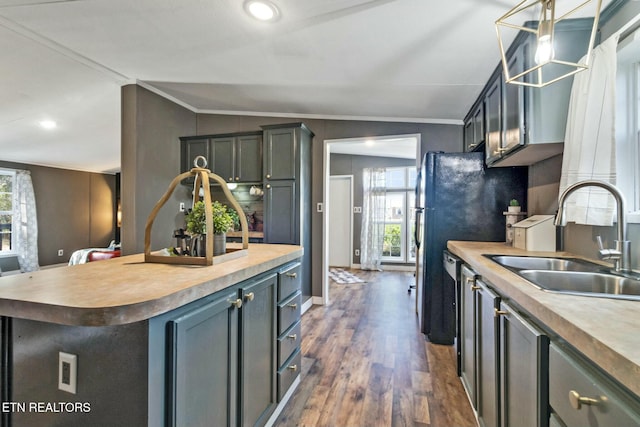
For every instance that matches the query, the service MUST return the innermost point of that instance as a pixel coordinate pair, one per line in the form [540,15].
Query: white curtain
[26,222]
[372,234]
[589,147]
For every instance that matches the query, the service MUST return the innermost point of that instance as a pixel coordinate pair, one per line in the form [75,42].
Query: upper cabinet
[524,125]
[237,158]
[474,127]
[280,146]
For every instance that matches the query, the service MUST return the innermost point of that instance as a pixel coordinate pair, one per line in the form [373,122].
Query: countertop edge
[113,315]
[552,310]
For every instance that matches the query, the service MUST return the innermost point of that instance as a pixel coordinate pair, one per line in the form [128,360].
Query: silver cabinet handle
[292,337]
[292,275]
[293,367]
[292,306]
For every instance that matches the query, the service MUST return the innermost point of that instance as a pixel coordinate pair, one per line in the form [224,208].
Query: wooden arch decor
[201,181]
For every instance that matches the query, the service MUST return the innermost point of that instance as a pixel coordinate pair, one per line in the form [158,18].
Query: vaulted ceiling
[65,60]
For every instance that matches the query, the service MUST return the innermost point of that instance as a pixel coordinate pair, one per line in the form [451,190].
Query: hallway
[366,364]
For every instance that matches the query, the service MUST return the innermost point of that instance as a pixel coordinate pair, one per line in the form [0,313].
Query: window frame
[408,191]
[12,251]
[628,124]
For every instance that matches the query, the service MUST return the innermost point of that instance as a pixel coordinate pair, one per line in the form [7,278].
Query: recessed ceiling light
[262,9]
[48,124]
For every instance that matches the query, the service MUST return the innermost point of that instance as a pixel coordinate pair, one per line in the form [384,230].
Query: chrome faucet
[621,254]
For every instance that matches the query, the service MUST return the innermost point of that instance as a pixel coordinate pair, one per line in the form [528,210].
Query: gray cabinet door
[524,359]
[468,134]
[488,357]
[258,351]
[493,124]
[513,108]
[202,364]
[190,148]
[478,125]
[468,333]
[474,128]
[249,158]
[281,216]
[223,158]
[280,153]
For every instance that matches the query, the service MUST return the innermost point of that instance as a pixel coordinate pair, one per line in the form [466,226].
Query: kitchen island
[156,344]
[590,337]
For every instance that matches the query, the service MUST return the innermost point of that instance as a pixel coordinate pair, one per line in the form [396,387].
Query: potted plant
[514,206]
[196,227]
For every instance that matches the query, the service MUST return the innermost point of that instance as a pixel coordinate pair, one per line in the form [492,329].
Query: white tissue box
[536,233]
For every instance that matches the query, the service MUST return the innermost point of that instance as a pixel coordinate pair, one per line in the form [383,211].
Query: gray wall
[75,210]
[151,126]
[345,164]
[112,373]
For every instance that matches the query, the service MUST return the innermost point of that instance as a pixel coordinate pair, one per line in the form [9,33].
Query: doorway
[341,221]
[406,147]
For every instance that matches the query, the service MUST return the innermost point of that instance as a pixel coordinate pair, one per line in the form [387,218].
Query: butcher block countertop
[605,330]
[126,289]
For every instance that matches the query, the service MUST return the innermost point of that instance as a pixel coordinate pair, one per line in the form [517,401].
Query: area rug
[342,277]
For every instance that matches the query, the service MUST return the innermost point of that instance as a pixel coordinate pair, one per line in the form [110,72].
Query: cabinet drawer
[567,376]
[288,343]
[288,373]
[289,281]
[289,312]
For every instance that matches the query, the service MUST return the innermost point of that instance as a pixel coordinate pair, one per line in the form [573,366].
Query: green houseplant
[196,226]
[514,206]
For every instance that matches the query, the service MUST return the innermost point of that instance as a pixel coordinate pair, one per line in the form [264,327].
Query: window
[7,234]
[628,122]
[399,242]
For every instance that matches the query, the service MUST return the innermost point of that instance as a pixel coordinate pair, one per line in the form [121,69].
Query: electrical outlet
[357,209]
[319,207]
[67,372]
[357,251]
[60,252]
[181,207]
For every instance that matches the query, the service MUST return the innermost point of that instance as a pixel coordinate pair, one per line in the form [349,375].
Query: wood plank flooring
[365,364]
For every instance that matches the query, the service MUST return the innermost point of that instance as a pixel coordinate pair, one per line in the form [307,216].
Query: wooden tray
[202,181]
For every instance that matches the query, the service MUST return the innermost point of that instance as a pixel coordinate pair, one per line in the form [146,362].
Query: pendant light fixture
[544,28]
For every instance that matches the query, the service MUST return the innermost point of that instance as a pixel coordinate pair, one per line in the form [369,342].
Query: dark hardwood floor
[365,363]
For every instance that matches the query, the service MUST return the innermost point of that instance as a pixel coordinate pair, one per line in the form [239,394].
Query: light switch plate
[67,372]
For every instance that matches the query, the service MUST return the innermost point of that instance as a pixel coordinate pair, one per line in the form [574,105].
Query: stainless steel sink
[584,283]
[544,263]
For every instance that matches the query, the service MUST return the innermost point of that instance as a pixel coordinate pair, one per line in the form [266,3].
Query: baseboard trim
[283,402]
[307,305]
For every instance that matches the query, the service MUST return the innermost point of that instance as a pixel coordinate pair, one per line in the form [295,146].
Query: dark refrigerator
[457,198]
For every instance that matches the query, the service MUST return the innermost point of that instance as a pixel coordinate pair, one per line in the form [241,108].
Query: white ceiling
[403,60]
[396,147]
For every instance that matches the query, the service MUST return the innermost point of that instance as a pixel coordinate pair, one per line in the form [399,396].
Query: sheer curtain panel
[24,205]
[372,234]
[589,147]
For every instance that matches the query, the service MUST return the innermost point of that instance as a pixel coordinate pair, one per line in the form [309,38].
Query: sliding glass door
[399,242]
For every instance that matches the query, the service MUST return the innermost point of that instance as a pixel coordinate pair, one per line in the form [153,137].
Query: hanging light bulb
[544,49]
